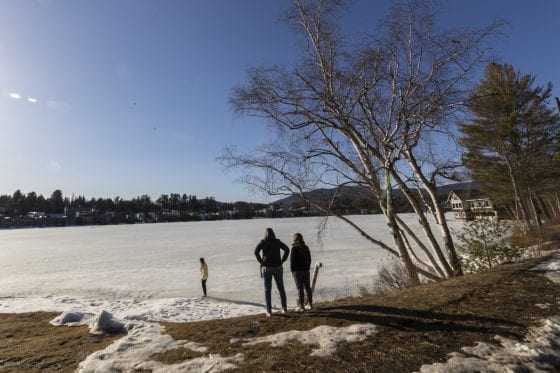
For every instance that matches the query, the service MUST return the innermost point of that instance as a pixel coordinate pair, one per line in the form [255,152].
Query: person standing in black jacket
[271,266]
[300,262]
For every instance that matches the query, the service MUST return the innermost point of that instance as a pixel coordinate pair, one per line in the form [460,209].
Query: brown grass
[28,343]
[415,326]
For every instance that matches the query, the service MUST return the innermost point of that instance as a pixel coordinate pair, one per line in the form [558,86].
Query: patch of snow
[324,336]
[551,267]
[104,322]
[70,318]
[543,306]
[131,351]
[540,352]
[166,310]
[143,337]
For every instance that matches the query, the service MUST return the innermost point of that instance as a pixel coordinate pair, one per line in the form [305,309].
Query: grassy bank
[415,326]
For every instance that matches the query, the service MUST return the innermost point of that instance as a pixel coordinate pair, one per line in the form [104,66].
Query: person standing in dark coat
[300,262]
[271,266]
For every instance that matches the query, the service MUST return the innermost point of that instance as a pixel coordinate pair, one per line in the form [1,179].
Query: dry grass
[415,326]
[28,343]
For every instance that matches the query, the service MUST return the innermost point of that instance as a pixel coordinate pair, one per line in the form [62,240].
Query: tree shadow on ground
[419,313]
[420,320]
[241,302]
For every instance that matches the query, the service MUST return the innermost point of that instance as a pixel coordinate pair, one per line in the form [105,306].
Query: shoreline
[415,326]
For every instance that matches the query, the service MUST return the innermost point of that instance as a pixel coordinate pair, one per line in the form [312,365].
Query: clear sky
[127,97]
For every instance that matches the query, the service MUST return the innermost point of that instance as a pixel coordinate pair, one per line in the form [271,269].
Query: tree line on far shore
[186,207]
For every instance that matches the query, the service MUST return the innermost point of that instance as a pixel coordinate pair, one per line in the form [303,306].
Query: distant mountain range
[357,192]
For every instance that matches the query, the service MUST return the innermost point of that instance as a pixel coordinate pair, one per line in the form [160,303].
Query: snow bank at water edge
[166,310]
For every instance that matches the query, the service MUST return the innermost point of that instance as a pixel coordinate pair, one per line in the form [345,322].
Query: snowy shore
[138,312]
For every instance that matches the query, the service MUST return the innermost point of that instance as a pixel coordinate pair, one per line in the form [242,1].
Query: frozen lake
[154,261]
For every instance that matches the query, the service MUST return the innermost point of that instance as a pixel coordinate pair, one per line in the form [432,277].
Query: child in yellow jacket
[203,274]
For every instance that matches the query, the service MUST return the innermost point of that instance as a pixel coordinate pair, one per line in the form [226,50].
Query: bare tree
[369,113]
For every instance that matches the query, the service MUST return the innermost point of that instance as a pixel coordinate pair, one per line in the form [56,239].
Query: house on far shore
[473,205]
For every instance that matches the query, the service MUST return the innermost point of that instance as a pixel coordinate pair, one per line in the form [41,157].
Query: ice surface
[158,261]
[324,336]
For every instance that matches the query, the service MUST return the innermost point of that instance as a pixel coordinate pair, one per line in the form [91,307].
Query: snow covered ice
[155,261]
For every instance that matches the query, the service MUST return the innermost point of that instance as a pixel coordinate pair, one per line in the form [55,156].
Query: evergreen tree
[56,202]
[15,206]
[30,203]
[512,139]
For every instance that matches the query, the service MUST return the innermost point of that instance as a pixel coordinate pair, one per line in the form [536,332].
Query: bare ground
[415,326]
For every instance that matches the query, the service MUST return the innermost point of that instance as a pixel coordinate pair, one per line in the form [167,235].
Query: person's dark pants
[203,286]
[268,273]
[302,282]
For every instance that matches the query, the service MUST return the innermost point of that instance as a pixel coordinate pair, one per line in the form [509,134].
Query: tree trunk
[552,207]
[535,213]
[520,206]
[445,233]
[397,238]
[425,225]
[439,215]
[542,207]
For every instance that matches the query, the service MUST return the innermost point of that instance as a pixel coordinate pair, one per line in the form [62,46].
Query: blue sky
[129,97]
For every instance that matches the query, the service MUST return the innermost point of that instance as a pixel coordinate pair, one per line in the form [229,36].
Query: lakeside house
[473,204]
[36,215]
